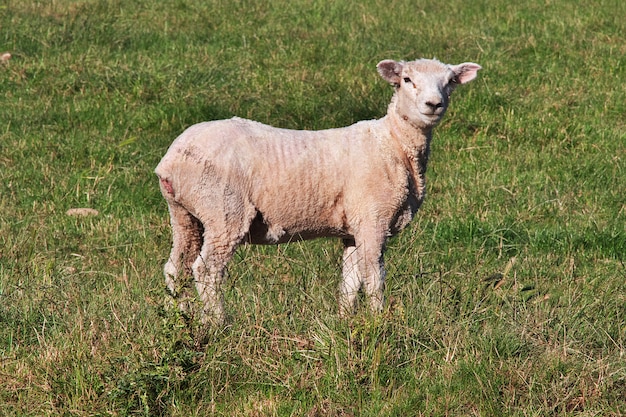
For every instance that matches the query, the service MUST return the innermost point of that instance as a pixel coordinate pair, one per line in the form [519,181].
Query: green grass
[507,293]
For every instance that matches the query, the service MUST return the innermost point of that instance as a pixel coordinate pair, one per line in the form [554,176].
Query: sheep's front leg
[352,279]
[362,266]
[375,280]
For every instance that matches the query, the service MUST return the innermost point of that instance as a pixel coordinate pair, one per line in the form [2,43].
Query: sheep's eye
[407,80]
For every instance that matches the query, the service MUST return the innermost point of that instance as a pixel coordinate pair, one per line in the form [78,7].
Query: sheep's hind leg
[209,273]
[187,241]
[352,279]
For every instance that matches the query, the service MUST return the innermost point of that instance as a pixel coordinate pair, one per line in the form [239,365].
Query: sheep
[236,181]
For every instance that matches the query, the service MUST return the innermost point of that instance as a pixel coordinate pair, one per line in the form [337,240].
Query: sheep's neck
[413,144]
[413,140]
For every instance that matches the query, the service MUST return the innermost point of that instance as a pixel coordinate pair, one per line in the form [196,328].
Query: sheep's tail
[166,184]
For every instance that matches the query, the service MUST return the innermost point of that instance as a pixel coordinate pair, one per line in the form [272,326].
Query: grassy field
[507,292]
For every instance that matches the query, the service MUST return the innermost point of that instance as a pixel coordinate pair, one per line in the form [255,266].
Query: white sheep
[237,181]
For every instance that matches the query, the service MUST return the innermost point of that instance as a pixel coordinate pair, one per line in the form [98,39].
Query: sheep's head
[423,87]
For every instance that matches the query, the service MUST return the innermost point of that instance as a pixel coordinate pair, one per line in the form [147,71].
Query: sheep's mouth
[432,111]
[433,116]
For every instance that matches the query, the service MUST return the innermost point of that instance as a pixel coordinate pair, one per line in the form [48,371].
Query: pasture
[507,293]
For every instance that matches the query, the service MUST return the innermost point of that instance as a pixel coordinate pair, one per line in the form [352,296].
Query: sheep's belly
[261,233]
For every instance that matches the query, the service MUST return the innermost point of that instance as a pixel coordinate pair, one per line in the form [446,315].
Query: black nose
[434,105]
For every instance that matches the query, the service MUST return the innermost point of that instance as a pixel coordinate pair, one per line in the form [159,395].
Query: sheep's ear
[465,72]
[391,71]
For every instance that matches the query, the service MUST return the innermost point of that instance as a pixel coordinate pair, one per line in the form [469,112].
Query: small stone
[82,212]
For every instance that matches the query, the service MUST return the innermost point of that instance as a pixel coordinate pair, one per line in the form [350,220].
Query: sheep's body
[237,181]
[271,163]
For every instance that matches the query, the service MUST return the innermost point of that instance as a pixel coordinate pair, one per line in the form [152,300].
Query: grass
[507,293]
